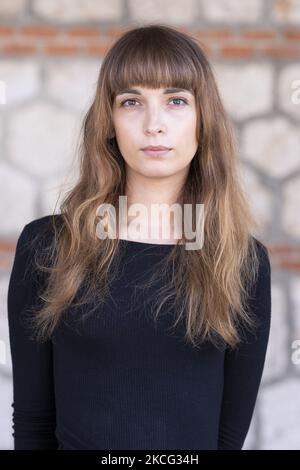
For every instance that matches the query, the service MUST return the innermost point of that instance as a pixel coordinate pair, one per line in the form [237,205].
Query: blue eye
[179,99]
[125,101]
[133,100]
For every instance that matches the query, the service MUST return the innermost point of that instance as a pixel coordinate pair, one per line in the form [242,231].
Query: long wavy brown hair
[210,287]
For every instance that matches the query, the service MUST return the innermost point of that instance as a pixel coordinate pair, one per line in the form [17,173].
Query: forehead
[136,90]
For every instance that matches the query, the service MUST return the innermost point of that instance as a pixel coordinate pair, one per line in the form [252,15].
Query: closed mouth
[156,148]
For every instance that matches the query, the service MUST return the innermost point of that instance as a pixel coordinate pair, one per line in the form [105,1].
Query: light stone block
[170,11]
[291,207]
[246,90]
[273,145]
[277,356]
[232,11]
[18,197]
[21,78]
[6,399]
[55,188]
[42,138]
[286,11]
[259,197]
[72,83]
[289,90]
[69,11]
[280,409]
[12,7]
[295,334]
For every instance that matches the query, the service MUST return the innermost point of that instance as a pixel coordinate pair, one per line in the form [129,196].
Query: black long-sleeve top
[120,381]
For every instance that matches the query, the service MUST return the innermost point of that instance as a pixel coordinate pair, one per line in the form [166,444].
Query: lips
[159,147]
[156,151]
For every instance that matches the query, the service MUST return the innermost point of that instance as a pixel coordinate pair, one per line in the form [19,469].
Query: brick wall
[50,54]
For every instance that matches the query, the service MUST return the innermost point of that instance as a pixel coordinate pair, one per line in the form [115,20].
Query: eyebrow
[166,91]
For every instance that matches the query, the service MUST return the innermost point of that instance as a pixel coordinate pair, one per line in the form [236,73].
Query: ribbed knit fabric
[119,380]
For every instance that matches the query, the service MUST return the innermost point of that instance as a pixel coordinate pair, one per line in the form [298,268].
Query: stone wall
[50,54]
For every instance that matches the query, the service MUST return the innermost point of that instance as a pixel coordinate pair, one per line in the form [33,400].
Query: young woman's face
[159,117]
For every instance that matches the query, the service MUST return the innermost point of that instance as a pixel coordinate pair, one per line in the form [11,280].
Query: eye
[179,99]
[133,100]
[125,101]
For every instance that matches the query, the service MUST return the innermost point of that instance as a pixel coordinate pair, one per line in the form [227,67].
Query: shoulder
[264,266]
[35,239]
[39,231]
[43,224]
[33,242]
[260,301]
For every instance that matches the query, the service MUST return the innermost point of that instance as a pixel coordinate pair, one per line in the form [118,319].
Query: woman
[100,371]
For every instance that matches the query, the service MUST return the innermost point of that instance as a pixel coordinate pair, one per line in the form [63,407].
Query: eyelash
[133,99]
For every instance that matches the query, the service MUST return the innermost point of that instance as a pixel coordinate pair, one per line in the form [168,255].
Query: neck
[150,192]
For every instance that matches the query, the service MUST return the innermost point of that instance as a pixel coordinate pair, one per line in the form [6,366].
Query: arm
[34,416]
[243,367]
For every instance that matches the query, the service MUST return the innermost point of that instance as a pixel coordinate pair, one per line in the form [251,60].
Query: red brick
[292,34]
[115,31]
[283,249]
[7,31]
[18,49]
[83,32]
[214,34]
[285,256]
[7,246]
[43,31]
[281,52]
[237,51]
[96,49]
[258,34]
[62,49]
[290,265]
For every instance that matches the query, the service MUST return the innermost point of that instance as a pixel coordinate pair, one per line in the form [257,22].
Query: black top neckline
[140,243]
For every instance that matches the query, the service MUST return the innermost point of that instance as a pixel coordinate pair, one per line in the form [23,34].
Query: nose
[153,130]
[154,122]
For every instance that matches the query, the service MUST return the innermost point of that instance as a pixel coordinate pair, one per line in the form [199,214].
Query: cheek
[193,130]
[187,138]
[125,129]
[125,137]
[187,122]
[186,133]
